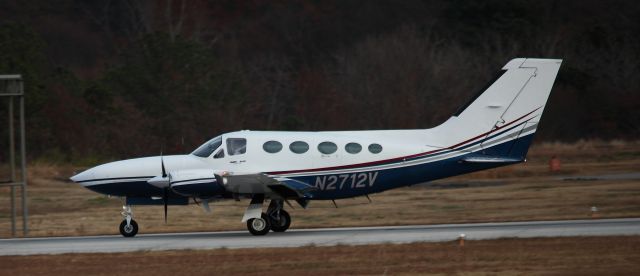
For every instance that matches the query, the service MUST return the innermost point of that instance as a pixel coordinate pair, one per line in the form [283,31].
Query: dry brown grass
[520,192]
[539,256]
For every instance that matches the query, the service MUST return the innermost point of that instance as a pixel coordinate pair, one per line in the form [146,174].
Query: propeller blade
[164,172]
[166,202]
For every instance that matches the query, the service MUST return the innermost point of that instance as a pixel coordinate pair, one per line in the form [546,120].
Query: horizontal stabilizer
[491,160]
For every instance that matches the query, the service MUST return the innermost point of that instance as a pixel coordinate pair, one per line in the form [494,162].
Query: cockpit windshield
[208,148]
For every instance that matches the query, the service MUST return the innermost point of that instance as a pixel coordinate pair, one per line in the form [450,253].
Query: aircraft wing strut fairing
[495,129]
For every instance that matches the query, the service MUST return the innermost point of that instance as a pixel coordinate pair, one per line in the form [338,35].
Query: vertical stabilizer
[502,119]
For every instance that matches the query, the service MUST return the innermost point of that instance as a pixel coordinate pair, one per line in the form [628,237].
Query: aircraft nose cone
[83,176]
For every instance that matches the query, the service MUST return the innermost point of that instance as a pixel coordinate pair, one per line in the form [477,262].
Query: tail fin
[502,119]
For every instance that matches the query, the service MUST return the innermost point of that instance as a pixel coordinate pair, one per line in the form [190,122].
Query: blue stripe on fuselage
[334,186]
[144,189]
[130,188]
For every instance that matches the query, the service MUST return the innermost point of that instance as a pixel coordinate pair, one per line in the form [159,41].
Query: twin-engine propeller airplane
[494,129]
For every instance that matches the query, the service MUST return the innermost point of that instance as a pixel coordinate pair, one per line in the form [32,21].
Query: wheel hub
[258,224]
[128,228]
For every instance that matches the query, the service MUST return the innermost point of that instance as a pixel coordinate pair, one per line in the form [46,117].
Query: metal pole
[23,149]
[12,162]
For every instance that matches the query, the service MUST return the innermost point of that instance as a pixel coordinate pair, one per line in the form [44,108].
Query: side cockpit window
[236,146]
[208,148]
[219,154]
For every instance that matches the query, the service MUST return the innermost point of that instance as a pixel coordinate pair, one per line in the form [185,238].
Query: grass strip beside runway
[577,256]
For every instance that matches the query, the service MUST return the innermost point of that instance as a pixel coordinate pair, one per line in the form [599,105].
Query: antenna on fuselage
[334,203]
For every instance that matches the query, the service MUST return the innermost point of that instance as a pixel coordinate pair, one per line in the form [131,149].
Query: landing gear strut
[128,227]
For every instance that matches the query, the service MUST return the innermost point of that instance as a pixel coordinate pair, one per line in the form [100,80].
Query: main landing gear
[275,219]
[128,227]
[278,217]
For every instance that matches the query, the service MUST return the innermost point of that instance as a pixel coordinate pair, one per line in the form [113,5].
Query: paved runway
[320,237]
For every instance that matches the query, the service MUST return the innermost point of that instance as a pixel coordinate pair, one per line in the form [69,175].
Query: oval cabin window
[299,147]
[327,147]
[375,148]
[272,146]
[353,148]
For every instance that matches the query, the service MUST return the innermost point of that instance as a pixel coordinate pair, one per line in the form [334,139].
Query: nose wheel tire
[128,230]
[259,226]
[282,223]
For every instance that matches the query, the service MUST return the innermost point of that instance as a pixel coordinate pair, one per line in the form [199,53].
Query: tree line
[122,78]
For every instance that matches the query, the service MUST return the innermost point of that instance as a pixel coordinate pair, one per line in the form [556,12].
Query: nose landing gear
[128,227]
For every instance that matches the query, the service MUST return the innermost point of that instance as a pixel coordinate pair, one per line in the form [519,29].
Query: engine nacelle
[196,183]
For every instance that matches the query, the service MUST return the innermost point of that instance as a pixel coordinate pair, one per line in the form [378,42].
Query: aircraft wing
[290,188]
[260,183]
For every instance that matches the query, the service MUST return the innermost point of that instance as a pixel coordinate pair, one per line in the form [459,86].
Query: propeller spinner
[161,181]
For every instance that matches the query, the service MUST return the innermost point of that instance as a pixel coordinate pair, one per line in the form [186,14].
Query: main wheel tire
[282,224]
[128,230]
[259,226]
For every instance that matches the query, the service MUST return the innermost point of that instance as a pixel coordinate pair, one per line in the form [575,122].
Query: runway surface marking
[320,237]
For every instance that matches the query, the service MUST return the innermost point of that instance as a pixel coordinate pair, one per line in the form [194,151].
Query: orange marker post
[461,240]
[554,164]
